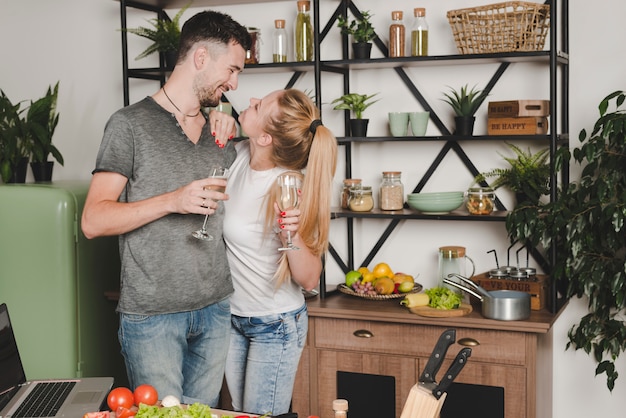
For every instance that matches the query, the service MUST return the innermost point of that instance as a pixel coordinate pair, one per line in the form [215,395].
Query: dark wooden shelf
[179,4]
[437,60]
[380,139]
[456,215]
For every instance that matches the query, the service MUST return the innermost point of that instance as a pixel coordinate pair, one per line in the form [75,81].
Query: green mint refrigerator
[55,281]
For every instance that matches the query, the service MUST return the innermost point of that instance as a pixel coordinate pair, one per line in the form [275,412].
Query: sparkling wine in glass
[216,172]
[289,185]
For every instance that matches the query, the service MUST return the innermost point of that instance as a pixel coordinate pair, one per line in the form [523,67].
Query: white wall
[78,43]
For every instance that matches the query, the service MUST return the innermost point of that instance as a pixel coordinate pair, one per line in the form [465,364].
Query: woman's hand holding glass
[288,197]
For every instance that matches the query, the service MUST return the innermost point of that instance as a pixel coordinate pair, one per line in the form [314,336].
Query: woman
[269,316]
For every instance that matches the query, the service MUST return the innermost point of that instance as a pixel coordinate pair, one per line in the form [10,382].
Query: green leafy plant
[357,103]
[165,34]
[42,119]
[528,175]
[361,29]
[585,226]
[14,144]
[465,102]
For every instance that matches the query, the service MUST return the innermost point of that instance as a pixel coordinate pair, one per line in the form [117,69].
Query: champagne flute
[219,173]
[289,185]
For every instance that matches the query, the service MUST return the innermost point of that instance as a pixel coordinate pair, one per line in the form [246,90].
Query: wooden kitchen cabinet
[509,354]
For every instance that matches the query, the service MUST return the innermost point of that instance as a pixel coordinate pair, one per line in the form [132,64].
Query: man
[150,186]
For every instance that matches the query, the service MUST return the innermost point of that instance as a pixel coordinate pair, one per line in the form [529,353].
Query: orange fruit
[382,270]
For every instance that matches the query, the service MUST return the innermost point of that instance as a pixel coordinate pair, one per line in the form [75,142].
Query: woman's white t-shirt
[253,256]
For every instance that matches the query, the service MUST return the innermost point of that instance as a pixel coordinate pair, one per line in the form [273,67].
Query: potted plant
[14,149]
[362,33]
[584,225]
[42,120]
[356,103]
[528,175]
[165,37]
[465,103]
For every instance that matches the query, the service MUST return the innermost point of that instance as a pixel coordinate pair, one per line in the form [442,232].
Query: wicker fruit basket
[500,27]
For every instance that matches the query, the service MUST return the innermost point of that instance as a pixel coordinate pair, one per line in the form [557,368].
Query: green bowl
[435,195]
[436,206]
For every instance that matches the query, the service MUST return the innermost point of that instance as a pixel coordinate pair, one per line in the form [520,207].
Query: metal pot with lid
[503,305]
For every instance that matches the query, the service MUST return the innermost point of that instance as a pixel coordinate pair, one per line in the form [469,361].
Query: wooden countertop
[339,305]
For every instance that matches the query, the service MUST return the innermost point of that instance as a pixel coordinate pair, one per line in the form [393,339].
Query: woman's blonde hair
[300,146]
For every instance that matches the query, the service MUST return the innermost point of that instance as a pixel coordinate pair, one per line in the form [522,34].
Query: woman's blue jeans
[180,354]
[263,360]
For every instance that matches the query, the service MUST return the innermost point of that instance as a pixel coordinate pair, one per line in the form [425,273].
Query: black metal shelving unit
[556,59]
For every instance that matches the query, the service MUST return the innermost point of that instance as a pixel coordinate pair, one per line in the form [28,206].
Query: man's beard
[209,101]
[207,97]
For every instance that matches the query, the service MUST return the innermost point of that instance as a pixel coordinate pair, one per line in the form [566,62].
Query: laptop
[42,398]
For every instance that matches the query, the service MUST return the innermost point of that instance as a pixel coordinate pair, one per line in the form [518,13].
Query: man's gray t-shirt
[164,268]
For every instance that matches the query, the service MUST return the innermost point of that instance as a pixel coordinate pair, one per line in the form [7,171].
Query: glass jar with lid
[361,199]
[252,55]
[391,196]
[345,191]
[480,200]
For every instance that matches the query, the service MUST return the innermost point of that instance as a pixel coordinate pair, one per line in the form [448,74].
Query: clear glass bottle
[391,195]
[340,406]
[480,200]
[345,192]
[304,32]
[396,35]
[361,199]
[279,42]
[419,33]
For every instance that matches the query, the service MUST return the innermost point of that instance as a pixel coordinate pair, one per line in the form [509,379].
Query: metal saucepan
[503,305]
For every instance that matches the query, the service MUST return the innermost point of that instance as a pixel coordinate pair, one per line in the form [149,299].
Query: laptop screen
[11,370]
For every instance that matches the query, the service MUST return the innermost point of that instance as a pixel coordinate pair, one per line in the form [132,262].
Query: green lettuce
[443,298]
[196,410]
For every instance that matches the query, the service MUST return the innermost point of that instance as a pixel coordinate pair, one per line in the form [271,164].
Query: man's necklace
[185,116]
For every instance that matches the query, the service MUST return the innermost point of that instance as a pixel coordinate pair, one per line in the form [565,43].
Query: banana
[413,300]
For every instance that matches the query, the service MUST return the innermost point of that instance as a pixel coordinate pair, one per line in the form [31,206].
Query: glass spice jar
[345,192]
[480,200]
[303,32]
[279,41]
[391,196]
[396,35]
[252,55]
[361,199]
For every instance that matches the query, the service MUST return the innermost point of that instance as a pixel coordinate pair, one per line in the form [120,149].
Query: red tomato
[122,412]
[146,394]
[101,414]
[120,397]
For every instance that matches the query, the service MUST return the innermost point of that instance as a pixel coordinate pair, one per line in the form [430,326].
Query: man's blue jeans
[180,354]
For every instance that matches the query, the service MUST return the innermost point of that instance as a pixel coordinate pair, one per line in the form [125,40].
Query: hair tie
[314,125]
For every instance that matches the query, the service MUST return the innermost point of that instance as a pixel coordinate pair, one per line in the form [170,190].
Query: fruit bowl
[348,291]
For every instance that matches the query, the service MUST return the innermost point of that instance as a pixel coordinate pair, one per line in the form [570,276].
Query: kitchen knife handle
[446,339]
[453,372]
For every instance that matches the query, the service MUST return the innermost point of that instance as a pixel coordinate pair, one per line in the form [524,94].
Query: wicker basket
[501,27]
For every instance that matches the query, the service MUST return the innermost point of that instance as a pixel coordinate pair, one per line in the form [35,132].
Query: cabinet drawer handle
[468,342]
[363,333]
